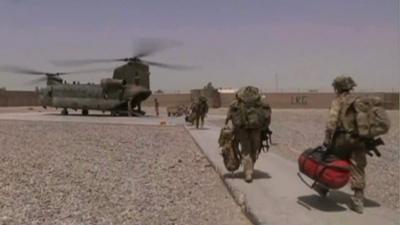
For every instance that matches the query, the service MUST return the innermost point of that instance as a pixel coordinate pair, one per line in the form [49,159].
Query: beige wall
[276,100]
[168,99]
[18,98]
[311,100]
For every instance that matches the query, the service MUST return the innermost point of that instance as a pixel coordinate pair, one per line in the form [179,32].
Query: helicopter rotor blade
[149,46]
[168,66]
[37,81]
[145,47]
[21,70]
[84,62]
[25,71]
[86,71]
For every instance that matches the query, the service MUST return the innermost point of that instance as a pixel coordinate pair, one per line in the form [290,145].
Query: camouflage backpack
[369,118]
[201,105]
[229,149]
[248,111]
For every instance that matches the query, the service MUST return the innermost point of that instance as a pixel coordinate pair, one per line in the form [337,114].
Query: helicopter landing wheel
[64,112]
[85,112]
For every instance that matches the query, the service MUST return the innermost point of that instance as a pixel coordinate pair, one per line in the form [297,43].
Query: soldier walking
[200,110]
[344,136]
[250,118]
[156,106]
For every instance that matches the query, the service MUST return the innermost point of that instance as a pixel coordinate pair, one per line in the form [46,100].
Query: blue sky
[234,43]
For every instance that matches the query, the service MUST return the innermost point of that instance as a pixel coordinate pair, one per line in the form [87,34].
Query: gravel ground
[76,173]
[297,130]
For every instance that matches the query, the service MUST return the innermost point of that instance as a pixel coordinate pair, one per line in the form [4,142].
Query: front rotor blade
[21,70]
[168,66]
[84,71]
[84,62]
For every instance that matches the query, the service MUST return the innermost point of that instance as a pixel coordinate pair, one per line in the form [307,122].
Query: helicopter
[121,95]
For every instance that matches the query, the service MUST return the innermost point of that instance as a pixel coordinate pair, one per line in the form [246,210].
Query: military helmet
[248,94]
[343,83]
[202,98]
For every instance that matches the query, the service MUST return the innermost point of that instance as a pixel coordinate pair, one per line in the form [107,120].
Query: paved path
[277,196]
[91,118]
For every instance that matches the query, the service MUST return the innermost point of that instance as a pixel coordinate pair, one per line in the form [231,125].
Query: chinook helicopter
[121,95]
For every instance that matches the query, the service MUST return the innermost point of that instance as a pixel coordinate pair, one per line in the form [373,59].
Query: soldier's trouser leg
[357,179]
[197,120]
[255,144]
[202,120]
[249,143]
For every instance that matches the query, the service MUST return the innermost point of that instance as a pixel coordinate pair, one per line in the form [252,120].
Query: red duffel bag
[329,171]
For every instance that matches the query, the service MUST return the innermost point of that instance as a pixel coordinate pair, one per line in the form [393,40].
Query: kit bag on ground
[327,170]
[190,117]
[229,151]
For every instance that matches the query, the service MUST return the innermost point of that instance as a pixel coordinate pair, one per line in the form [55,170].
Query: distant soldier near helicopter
[200,110]
[352,126]
[156,106]
[250,118]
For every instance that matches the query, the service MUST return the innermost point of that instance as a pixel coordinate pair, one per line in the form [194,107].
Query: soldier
[250,118]
[156,106]
[200,110]
[341,141]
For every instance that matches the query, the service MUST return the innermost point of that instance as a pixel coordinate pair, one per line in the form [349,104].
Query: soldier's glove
[325,146]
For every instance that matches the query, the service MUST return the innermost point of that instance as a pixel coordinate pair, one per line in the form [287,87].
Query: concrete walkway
[277,195]
[97,117]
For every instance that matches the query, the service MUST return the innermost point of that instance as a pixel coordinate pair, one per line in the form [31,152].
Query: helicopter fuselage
[93,96]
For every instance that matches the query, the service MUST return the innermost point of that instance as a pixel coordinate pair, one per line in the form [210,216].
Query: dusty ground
[296,130]
[81,173]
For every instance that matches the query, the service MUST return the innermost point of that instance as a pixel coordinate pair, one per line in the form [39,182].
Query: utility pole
[276,82]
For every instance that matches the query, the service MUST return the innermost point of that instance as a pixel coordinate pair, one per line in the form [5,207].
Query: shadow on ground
[335,201]
[258,174]
[194,128]
[98,115]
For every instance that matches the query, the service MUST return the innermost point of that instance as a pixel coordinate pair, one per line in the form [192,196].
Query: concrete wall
[18,98]
[312,100]
[168,99]
[276,100]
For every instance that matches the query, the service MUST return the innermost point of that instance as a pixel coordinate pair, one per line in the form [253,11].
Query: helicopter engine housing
[109,84]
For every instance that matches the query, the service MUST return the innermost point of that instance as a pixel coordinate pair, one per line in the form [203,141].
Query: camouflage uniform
[200,109]
[250,143]
[156,106]
[250,140]
[340,139]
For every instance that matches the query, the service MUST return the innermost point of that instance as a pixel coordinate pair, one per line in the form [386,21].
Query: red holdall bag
[329,170]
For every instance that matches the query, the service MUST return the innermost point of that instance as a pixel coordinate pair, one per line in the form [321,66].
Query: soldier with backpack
[200,110]
[251,119]
[353,123]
